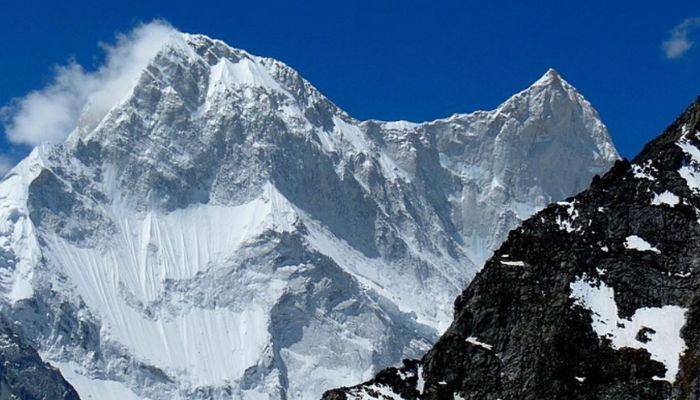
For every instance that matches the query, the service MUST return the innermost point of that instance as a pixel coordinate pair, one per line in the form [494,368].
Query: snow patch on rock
[645,171]
[420,385]
[667,198]
[664,342]
[566,223]
[374,392]
[634,242]
[476,342]
[513,263]
[690,172]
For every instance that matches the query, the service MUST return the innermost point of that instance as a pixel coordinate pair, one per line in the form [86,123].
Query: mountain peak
[552,107]
[552,73]
[551,78]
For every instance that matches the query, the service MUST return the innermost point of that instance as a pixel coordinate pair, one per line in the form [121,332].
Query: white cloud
[50,114]
[680,42]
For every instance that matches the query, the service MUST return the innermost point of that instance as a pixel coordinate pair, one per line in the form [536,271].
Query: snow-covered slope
[225,231]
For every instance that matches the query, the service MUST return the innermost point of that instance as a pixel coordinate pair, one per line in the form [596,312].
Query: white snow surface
[635,242]
[209,345]
[373,392]
[225,231]
[475,341]
[227,75]
[513,263]
[691,171]
[665,345]
[95,389]
[566,223]
[17,234]
[644,171]
[665,197]
[420,385]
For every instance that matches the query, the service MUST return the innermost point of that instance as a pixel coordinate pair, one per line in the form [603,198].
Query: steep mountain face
[543,144]
[595,297]
[225,231]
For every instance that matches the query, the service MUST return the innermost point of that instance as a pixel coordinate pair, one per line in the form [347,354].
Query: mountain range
[226,231]
[595,297]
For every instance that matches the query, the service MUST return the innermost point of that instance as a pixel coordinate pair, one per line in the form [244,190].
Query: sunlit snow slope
[225,231]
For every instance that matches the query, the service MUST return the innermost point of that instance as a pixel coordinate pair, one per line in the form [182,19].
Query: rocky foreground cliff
[595,297]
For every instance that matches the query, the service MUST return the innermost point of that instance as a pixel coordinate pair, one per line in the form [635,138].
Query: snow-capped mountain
[225,231]
[595,297]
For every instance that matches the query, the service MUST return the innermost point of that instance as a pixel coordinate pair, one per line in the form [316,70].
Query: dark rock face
[594,298]
[24,376]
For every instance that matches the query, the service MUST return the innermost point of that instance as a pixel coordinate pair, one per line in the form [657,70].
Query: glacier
[226,231]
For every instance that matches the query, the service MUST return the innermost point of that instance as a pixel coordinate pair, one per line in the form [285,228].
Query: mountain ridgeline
[595,297]
[226,231]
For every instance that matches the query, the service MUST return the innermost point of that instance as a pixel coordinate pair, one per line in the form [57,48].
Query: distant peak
[552,73]
[551,77]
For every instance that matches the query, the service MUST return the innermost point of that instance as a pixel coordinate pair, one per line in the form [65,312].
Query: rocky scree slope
[225,231]
[595,297]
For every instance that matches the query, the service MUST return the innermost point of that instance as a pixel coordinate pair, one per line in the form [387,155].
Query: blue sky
[403,59]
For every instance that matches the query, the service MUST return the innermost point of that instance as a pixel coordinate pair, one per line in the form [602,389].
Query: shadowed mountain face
[226,231]
[596,297]
[25,376]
